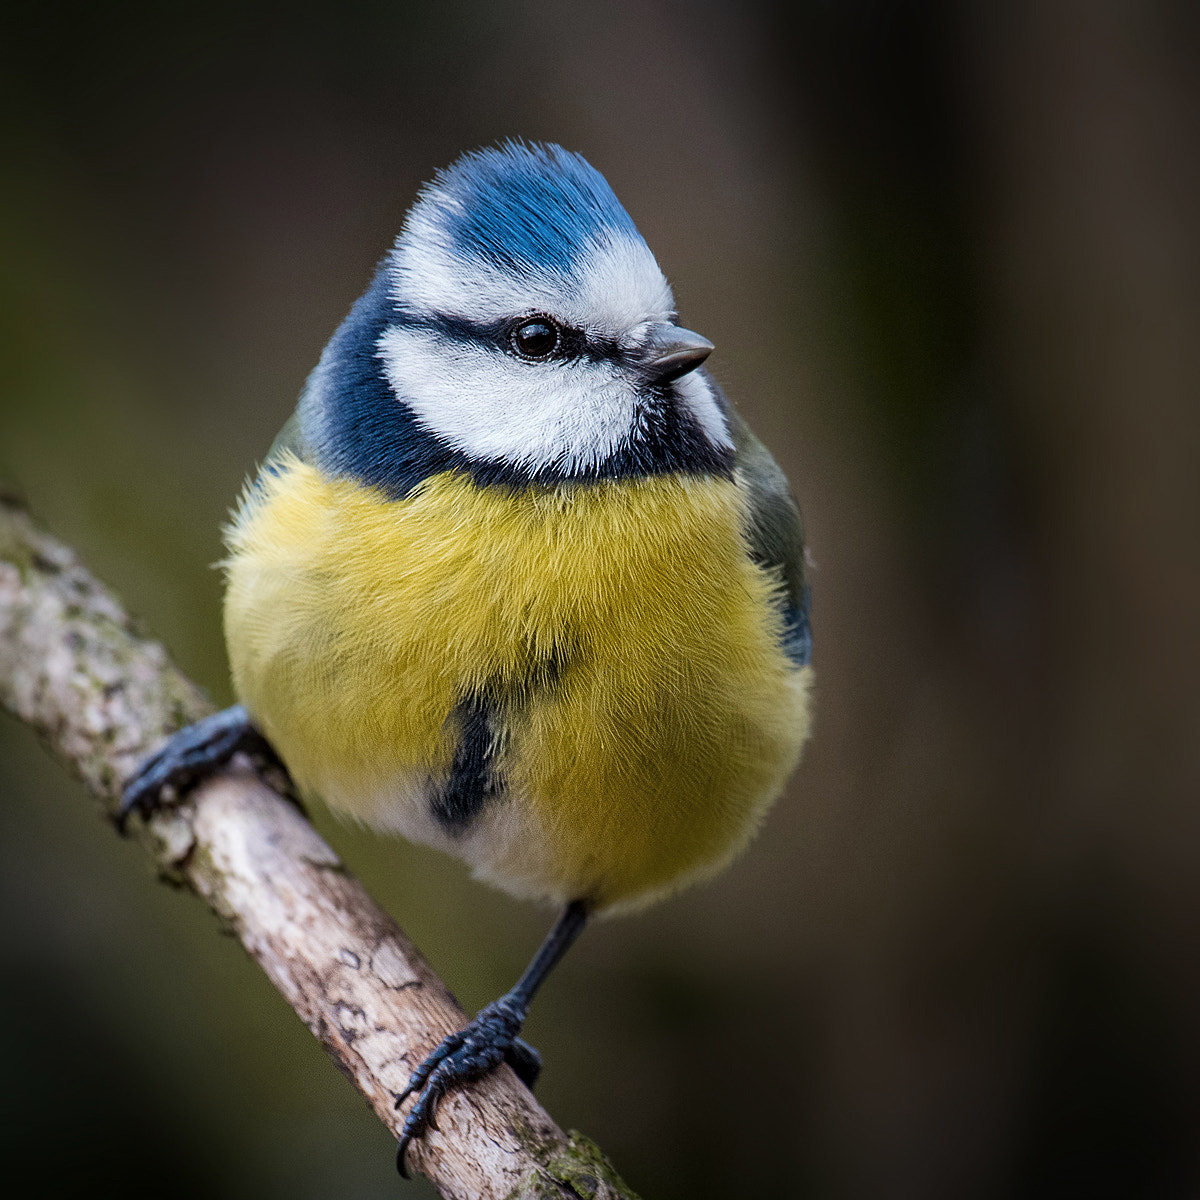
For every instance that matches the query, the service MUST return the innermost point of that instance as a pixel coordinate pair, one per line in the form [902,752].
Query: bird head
[521,330]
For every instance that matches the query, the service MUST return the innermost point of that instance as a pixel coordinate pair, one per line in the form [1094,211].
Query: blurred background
[950,258]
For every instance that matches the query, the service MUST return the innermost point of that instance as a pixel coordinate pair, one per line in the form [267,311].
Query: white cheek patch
[491,406]
[697,397]
[613,285]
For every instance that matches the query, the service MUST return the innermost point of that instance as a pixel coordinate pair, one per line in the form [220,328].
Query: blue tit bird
[516,580]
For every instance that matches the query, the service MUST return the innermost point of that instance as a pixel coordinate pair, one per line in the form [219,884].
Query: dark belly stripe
[472,775]
[480,722]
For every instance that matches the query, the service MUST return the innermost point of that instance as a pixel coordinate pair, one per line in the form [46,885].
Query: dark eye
[535,339]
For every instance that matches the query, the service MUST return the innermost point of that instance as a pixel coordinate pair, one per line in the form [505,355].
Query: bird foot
[193,754]
[490,1039]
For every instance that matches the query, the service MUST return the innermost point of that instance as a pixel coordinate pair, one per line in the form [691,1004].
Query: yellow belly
[652,716]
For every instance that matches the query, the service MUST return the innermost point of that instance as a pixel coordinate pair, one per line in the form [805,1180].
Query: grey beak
[671,352]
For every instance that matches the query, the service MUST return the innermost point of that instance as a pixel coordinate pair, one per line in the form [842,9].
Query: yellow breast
[649,713]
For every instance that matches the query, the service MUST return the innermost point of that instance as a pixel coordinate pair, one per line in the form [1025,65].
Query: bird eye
[535,339]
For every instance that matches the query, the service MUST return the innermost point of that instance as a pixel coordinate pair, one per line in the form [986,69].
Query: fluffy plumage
[632,652]
[548,615]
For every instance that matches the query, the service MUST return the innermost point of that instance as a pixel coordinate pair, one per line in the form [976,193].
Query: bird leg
[194,753]
[491,1038]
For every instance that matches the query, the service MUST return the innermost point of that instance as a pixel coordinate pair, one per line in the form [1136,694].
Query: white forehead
[612,285]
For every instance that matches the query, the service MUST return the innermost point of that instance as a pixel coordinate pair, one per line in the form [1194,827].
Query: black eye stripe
[572,343]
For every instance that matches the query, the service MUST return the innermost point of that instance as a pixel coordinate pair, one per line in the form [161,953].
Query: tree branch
[102,696]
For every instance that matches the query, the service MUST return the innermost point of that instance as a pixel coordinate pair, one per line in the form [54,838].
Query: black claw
[469,1054]
[193,753]
[403,1145]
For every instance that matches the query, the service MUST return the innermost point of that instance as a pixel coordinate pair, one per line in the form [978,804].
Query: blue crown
[521,204]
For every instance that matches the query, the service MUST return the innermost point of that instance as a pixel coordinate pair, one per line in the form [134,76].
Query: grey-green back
[776,531]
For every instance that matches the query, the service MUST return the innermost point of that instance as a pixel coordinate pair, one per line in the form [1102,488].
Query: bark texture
[102,696]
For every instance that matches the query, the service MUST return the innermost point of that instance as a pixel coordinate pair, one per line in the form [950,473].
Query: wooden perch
[102,696]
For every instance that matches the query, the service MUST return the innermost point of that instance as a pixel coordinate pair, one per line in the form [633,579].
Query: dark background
[949,257]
